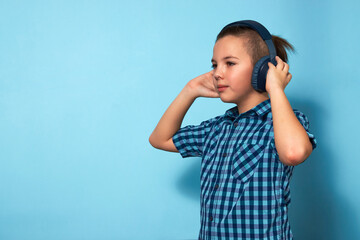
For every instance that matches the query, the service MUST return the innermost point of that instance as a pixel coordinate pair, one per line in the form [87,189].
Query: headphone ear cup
[258,80]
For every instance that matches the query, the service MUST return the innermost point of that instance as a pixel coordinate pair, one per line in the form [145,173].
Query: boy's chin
[227,100]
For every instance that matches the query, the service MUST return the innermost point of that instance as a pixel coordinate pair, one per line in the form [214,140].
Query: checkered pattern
[245,188]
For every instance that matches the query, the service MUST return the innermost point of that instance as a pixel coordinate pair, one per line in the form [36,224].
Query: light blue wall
[84,83]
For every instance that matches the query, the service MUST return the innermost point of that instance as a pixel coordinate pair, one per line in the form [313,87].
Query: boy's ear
[258,80]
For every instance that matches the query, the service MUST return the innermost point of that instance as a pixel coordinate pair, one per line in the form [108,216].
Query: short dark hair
[255,45]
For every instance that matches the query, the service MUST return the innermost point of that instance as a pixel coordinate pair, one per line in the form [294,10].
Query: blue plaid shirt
[245,188]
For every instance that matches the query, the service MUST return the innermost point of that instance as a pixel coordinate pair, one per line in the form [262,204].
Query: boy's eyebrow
[212,60]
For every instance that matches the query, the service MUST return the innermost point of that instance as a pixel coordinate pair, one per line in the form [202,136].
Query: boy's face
[234,72]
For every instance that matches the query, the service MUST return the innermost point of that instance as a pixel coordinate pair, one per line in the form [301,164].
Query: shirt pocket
[245,160]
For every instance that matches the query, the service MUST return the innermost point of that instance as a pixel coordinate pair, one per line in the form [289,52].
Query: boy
[248,153]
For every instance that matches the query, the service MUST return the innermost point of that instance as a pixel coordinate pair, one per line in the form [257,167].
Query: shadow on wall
[317,210]
[189,183]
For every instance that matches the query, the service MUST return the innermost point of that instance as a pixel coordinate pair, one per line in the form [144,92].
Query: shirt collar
[261,109]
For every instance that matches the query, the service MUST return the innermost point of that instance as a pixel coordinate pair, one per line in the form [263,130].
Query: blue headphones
[258,80]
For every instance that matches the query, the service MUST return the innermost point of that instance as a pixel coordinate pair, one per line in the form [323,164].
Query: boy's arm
[291,139]
[170,122]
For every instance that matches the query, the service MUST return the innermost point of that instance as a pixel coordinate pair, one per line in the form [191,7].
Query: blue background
[84,83]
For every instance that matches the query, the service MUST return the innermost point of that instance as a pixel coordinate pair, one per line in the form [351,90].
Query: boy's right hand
[203,86]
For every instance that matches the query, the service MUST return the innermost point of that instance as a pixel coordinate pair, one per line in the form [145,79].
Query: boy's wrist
[275,91]
[190,92]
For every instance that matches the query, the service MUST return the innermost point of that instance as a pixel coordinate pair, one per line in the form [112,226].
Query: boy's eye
[228,63]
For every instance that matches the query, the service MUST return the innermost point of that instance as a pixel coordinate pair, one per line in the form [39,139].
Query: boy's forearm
[291,140]
[171,120]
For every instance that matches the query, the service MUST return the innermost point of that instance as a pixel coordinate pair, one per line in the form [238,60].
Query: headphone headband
[263,32]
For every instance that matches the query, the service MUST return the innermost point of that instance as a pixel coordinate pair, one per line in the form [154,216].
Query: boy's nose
[218,74]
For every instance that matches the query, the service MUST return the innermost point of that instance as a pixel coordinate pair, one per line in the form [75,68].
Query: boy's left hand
[279,76]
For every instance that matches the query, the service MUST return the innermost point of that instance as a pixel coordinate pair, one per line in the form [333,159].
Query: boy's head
[247,47]
[255,45]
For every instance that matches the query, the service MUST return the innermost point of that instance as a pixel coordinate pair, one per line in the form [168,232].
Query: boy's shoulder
[263,111]
[301,116]
[213,120]
[296,111]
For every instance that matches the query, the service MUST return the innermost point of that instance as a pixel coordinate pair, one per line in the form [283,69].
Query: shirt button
[216,186]
[210,218]
[224,155]
[235,124]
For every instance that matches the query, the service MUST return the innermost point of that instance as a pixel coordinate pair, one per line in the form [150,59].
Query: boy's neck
[251,102]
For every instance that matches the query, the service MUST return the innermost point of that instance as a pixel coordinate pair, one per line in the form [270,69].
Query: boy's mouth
[221,88]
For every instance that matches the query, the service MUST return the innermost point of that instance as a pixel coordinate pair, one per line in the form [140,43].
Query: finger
[288,77]
[271,65]
[280,63]
[286,67]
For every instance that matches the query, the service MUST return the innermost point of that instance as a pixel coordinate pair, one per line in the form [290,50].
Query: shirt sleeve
[189,140]
[305,123]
